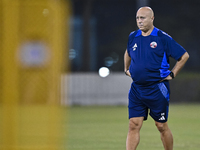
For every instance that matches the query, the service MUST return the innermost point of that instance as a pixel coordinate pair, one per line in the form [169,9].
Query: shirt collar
[153,33]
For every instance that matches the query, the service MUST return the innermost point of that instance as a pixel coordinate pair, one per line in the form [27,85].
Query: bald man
[146,61]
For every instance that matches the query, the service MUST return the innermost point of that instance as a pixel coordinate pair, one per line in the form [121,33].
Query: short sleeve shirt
[150,55]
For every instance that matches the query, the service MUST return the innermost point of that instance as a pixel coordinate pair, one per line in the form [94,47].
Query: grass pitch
[106,127]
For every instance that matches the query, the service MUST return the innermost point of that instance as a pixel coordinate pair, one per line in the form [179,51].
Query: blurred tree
[87,9]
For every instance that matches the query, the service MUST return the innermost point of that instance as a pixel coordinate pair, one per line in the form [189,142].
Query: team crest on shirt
[153,44]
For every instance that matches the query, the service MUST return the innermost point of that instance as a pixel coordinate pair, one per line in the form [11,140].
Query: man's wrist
[126,72]
[172,75]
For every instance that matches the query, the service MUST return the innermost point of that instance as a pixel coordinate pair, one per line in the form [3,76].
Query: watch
[172,74]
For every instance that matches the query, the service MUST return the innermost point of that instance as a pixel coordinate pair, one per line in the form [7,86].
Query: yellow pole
[9,73]
[32,117]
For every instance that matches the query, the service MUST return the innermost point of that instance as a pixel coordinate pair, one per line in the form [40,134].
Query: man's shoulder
[163,34]
[134,33]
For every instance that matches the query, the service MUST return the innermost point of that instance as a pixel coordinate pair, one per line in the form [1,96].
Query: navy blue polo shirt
[150,55]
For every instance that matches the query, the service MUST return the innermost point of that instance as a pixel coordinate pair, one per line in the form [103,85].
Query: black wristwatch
[172,74]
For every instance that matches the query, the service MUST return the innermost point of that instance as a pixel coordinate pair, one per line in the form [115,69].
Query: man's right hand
[127,72]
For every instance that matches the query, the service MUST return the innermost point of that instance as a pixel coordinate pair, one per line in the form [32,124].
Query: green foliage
[106,127]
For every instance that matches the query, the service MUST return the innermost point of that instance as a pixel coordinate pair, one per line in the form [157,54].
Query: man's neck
[147,33]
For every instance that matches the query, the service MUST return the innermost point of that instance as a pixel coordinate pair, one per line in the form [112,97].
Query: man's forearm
[127,61]
[179,65]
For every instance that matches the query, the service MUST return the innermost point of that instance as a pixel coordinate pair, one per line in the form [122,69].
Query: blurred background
[60,53]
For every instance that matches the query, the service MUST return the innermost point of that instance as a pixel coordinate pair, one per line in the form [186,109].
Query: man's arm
[127,62]
[179,65]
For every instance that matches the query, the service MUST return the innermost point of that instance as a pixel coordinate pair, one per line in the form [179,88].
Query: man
[146,61]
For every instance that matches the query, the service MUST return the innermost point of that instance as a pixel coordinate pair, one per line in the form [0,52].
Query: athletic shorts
[152,98]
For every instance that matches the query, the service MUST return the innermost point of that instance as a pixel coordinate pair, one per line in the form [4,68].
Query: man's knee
[135,123]
[161,126]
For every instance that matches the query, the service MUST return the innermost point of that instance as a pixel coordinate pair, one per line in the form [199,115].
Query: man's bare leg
[166,135]
[133,136]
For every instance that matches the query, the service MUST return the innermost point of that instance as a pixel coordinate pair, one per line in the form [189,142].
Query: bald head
[145,18]
[146,10]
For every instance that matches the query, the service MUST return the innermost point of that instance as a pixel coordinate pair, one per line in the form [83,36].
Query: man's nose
[139,20]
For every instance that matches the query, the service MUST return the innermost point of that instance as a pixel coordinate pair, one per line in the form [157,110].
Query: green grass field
[105,128]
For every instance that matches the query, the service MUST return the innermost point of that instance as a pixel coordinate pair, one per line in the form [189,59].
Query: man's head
[145,18]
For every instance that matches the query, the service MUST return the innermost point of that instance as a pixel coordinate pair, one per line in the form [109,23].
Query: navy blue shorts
[153,98]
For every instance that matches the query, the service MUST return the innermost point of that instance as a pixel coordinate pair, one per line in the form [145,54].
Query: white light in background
[104,72]
[72,54]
